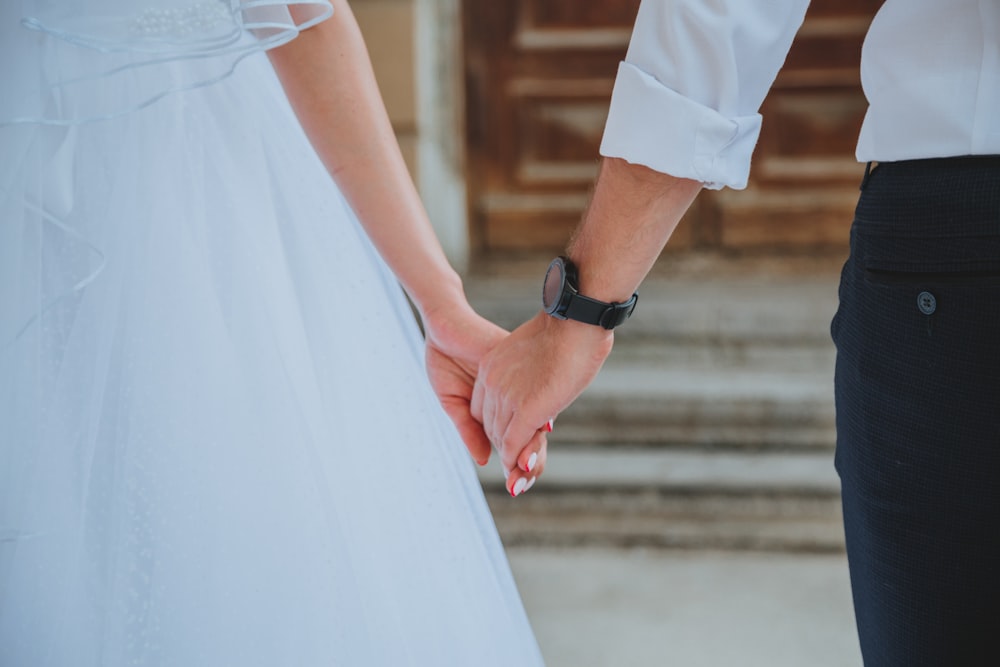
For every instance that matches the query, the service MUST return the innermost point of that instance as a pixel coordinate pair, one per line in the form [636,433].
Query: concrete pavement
[599,607]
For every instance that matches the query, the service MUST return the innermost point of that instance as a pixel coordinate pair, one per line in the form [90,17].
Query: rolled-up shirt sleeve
[687,96]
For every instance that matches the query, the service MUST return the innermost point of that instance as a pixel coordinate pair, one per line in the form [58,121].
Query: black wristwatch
[561,298]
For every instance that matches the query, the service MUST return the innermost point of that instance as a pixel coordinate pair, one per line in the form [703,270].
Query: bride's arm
[329,81]
[328,78]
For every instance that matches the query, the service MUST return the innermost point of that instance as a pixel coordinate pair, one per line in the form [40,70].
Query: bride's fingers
[477,399]
[532,456]
[470,430]
[493,424]
[520,480]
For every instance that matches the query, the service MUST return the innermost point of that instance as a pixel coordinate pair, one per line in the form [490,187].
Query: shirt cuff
[652,125]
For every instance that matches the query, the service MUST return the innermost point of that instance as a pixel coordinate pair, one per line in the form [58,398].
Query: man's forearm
[545,364]
[631,216]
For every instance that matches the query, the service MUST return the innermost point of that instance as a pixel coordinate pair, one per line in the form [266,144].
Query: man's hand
[528,379]
[456,341]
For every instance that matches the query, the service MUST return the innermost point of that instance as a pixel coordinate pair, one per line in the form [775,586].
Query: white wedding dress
[218,445]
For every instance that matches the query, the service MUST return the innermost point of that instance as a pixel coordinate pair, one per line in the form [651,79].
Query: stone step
[793,356]
[678,499]
[635,400]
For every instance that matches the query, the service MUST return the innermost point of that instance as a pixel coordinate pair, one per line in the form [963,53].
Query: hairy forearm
[631,216]
[328,78]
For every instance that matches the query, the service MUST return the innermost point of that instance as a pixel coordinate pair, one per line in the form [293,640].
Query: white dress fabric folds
[218,445]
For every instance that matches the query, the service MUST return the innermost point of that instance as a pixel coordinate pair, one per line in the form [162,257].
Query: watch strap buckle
[616,313]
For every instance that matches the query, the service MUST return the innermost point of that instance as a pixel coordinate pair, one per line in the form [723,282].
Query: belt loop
[868,173]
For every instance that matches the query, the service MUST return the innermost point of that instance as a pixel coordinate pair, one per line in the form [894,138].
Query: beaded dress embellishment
[182,21]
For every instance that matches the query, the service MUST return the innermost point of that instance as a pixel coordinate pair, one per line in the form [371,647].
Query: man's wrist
[600,286]
[562,298]
[631,215]
[577,332]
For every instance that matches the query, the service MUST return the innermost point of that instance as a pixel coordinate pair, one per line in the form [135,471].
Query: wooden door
[539,75]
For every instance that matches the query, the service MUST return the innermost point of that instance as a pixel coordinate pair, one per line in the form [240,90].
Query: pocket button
[927,303]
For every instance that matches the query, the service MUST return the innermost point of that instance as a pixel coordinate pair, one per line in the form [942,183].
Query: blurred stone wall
[415,47]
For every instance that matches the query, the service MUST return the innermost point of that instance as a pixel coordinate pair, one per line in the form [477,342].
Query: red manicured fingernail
[548,426]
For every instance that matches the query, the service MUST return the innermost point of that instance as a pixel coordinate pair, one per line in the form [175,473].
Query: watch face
[553,287]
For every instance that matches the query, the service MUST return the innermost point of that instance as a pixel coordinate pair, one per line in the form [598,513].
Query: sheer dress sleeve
[66,60]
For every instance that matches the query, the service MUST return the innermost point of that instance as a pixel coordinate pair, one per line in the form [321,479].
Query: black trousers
[918,412]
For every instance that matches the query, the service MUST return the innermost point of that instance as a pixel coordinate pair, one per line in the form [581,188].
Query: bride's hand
[456,339]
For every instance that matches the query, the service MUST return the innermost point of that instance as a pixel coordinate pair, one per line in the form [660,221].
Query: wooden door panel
[558,141]
[539,78]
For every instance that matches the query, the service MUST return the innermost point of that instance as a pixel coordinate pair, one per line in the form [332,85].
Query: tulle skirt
[217,442]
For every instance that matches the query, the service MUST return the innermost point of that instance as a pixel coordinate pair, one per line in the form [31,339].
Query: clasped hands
[501,390]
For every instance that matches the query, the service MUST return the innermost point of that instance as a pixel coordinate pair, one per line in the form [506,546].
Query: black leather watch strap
[561,298]
[607,315]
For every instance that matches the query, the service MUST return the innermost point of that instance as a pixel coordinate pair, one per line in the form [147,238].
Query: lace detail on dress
[181,21]
[66,55]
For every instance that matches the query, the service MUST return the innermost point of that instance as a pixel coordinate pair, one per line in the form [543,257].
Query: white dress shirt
[687,96]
